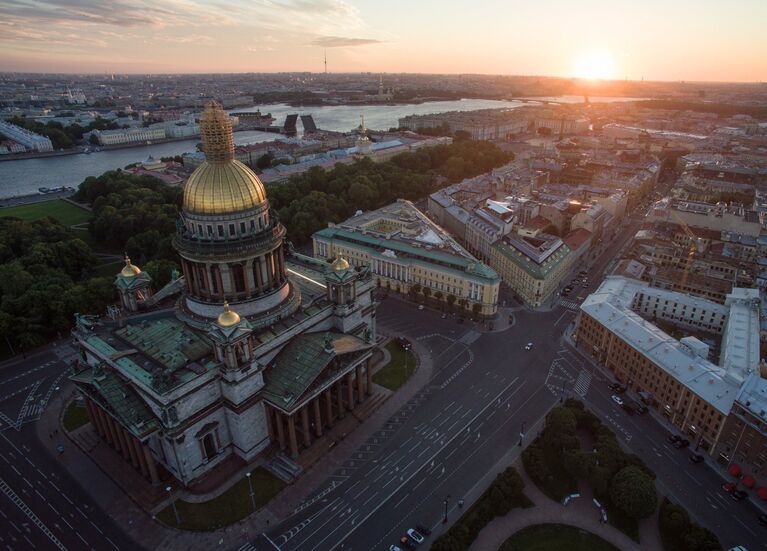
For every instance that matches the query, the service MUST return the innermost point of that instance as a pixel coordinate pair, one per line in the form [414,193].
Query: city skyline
[694,41]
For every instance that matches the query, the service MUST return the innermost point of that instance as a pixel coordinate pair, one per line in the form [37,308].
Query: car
[674,438]
[405,542]
[394,548]
[682,443]
[640,408]
[738,495]
[420,306]
[617,387]
[617,399]
[415,535]
[423,529]
[762,519]
[738,548]
[729,486]
[696,458]
[444,316]
[529,346]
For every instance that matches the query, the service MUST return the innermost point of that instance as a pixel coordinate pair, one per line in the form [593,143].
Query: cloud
[115,12]
[342,42]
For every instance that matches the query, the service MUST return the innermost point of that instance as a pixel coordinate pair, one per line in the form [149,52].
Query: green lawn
[75,416]
[555,537]
[231,506]
[402,365]
[61,210]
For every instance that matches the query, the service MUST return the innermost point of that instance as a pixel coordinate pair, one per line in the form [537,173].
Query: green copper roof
[301,362]
[462,265]
[538,271]
[167,341]
[119,398]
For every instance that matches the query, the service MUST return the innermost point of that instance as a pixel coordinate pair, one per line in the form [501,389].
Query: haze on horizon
[703,40]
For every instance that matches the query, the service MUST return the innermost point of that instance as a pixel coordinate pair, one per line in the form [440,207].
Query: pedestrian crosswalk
[569,304]
[582,383]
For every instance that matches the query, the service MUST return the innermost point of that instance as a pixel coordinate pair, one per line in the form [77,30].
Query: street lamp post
[521,434]
[252,495]
[445,501]
[173,504]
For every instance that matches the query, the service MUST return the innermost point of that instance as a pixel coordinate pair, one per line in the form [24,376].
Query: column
[269,422]
[151,465]
[264,273]
[104,426]
[369,370]
[131,450]
[110,425]
[305,425]
[92,416]
[220,281]
[350,389]
[226,279]
[137,448]
[206,277]
[360,390]
[317,417]
[280,429]
[292,435]
[123,441]
[340,398]
[329,408]
[250,283]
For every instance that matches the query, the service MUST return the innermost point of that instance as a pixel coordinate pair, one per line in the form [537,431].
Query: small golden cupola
[340,263]
[228,317]
[129,270]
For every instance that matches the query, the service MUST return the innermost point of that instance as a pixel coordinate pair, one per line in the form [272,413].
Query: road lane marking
[16,500]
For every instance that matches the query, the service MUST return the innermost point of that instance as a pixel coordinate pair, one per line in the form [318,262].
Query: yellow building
[533,266]
[409,254]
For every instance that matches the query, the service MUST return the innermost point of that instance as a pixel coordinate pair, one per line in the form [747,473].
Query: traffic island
[75,416]
[241,500]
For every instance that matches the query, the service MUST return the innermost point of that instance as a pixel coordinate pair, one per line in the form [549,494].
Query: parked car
[763,519]
[529,346]
[617,399]
[420,306]
[423,529]
[405,542]
[617,387]
[641,409]
[696,458]
[728,486]
[674,438]
[394,548]
[415,536]
[738,495]
[683,443]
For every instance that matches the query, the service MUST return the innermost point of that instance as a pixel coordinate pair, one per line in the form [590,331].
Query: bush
[633,492]
[503,495]
[679,533]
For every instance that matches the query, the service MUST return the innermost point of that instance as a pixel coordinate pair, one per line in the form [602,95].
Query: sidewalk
[152,535]
[581,513]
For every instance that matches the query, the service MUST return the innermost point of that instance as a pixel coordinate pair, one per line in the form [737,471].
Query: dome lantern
[228,317]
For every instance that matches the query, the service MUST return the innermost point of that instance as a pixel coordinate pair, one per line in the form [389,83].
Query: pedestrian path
[582,383]
[581,513]
[569,304]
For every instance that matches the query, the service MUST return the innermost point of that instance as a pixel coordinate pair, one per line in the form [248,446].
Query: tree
[426,294]
[450,301]
[462,303]
[414,290]
[438,296]
[160,271]
[94,139]
[632,491]
[264,161]
[476,308]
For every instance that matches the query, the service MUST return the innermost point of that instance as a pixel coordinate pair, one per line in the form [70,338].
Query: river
[25,176]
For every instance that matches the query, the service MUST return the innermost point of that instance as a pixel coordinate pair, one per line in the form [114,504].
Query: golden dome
[217,188]
[221,184]
[340,264]
[129,270]
[228,317]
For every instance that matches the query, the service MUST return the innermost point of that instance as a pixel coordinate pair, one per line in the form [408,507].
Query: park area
[555,537]
[233,505]
[398,370]
[58,209]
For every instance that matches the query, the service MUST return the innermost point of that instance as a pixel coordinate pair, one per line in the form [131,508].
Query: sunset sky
[655,39]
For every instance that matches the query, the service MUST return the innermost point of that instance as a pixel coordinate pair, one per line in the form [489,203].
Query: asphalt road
[41,506]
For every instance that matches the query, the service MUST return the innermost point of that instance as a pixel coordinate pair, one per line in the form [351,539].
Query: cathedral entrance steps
[372,403]
[85,438]
[283,467]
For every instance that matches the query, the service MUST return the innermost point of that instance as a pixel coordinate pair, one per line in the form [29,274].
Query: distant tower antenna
[326,62]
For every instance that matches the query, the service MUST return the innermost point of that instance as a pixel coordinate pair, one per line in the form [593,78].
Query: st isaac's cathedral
[252,347]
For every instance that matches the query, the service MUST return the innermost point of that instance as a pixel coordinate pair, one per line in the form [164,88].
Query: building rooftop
[611,305]
[536,255]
